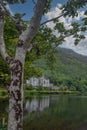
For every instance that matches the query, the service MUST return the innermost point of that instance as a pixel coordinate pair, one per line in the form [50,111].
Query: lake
[53,112]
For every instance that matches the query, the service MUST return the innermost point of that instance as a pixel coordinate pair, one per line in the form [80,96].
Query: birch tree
[16,63]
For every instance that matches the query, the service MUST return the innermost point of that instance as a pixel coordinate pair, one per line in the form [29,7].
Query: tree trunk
[15,119]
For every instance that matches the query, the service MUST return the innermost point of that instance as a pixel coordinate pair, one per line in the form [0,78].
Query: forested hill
[69,70]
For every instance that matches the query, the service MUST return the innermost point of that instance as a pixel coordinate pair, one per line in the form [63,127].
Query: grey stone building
[35,82]
[42,81]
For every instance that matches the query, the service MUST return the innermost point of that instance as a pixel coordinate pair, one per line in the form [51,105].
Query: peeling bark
[15,120]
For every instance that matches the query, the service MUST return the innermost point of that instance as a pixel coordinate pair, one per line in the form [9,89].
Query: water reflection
[37,104]
[52,112]
[56,112]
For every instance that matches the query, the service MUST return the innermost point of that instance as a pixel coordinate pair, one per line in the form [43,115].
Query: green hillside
[68,70]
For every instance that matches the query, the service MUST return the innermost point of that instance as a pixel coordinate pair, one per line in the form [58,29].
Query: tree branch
[64,36]
[53,19]
[27,36]
[4,4]
[24,43]
[2,43]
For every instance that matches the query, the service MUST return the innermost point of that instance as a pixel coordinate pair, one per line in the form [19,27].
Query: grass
[4,93]
[35,92]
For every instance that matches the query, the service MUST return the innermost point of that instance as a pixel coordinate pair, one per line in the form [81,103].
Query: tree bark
[15,120]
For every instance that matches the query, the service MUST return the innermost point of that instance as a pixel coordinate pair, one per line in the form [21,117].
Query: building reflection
[36,105]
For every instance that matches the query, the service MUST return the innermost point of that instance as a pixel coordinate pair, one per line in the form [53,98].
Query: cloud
[81,48]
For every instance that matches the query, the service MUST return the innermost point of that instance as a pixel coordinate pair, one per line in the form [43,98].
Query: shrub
[3,93]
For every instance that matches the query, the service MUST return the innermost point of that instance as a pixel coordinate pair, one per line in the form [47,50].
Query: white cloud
[69,43]
[81,48]
[56,12]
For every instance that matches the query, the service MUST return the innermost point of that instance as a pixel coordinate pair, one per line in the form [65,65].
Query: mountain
[71,53]
[69,69]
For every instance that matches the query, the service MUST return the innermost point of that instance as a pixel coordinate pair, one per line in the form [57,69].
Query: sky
[28,8]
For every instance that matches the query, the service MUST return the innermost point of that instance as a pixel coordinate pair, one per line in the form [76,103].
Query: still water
[56,112]
[53,112]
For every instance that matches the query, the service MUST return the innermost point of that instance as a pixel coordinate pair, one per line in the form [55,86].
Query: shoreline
[4,93]
[35,92]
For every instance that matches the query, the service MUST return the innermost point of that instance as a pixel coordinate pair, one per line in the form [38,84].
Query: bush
[40,88]
[63,88]
[3,93]
[72,88]
[30,87]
